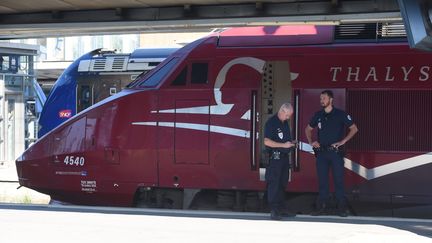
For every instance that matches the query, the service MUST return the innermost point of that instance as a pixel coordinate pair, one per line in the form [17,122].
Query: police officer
[331,123]
[277,139]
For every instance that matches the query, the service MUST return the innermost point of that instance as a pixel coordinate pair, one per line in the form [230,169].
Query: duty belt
[338,150]
[327,148]
[276,155]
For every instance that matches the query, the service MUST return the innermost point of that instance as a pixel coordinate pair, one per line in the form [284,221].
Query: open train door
[276,89]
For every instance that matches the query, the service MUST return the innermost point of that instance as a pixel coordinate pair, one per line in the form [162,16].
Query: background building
[19,102]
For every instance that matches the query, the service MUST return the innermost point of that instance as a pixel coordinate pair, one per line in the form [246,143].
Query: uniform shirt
[331,126]
[277,131]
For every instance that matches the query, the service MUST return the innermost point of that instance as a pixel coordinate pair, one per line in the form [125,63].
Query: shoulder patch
[349,117]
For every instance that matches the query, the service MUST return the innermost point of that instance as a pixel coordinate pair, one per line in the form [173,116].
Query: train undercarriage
[254,201]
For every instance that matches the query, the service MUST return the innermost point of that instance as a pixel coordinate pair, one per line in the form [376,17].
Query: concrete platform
[48,223]
[9,192]
[8,172]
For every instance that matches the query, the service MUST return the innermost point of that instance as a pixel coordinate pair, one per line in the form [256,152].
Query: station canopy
[50,18]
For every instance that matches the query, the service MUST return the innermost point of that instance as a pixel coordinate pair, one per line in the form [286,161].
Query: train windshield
[157,77]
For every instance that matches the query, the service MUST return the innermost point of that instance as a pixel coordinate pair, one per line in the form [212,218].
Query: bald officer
[277,139]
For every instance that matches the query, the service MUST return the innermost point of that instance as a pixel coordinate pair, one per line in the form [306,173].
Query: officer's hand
[315,144]
[288,144]
[336,145]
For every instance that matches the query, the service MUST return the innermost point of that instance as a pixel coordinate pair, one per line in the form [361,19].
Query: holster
[316,151]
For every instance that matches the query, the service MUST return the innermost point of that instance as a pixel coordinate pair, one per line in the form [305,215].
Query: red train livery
[190,131]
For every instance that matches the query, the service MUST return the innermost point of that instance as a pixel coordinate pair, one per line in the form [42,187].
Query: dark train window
[181,78]
[85,98]
[391,120]
[153,64]
[199,73]
[159,75]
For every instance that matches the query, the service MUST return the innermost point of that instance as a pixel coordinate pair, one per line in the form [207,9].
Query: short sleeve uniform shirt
[331,126]
[277,131]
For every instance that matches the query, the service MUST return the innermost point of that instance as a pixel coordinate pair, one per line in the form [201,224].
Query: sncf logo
[65,113]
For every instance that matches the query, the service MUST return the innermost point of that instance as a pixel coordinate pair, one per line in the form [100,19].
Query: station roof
[19,49]
[45,18]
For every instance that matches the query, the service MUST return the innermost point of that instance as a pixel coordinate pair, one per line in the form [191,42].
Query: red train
[190,132]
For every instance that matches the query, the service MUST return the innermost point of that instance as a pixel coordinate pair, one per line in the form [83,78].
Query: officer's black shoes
[278,214]
[287,213]
[322,210]
[275,215]
[342,212]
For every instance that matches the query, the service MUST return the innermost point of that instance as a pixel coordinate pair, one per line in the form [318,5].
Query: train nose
[32,170]
[22,171]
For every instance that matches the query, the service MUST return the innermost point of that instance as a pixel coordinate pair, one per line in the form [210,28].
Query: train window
[85,99]
[153,64]
[181,78]
[157,77]
[391,120]
[199,73]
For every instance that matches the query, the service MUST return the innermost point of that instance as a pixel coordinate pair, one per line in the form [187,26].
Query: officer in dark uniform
[277,139]
[332,124]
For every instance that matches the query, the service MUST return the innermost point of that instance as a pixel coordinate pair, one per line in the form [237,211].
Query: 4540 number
[74,160]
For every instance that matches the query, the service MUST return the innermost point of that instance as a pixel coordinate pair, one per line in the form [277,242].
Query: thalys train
[93,77]
[189,134]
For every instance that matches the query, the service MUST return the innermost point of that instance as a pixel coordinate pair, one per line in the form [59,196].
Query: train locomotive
[93,77]
[189,132]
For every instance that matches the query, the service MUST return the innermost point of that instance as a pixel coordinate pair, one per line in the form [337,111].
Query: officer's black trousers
[325,161]
[277,174]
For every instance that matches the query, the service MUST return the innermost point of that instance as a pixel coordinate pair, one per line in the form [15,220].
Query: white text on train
[404,73]
[74,160]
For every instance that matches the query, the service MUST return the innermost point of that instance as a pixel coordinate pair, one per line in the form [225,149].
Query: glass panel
[4,63]
[86,97]
[199,73]
[181,78]
[160,74]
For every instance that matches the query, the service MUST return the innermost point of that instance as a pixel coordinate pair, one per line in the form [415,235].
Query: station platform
[57,223]
[9,192]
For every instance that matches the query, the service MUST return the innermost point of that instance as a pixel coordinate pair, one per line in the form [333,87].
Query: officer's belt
[323,148]
[275,154]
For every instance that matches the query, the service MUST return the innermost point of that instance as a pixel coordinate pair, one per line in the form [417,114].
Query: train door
[275,90]
[184,125]
[191,147]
